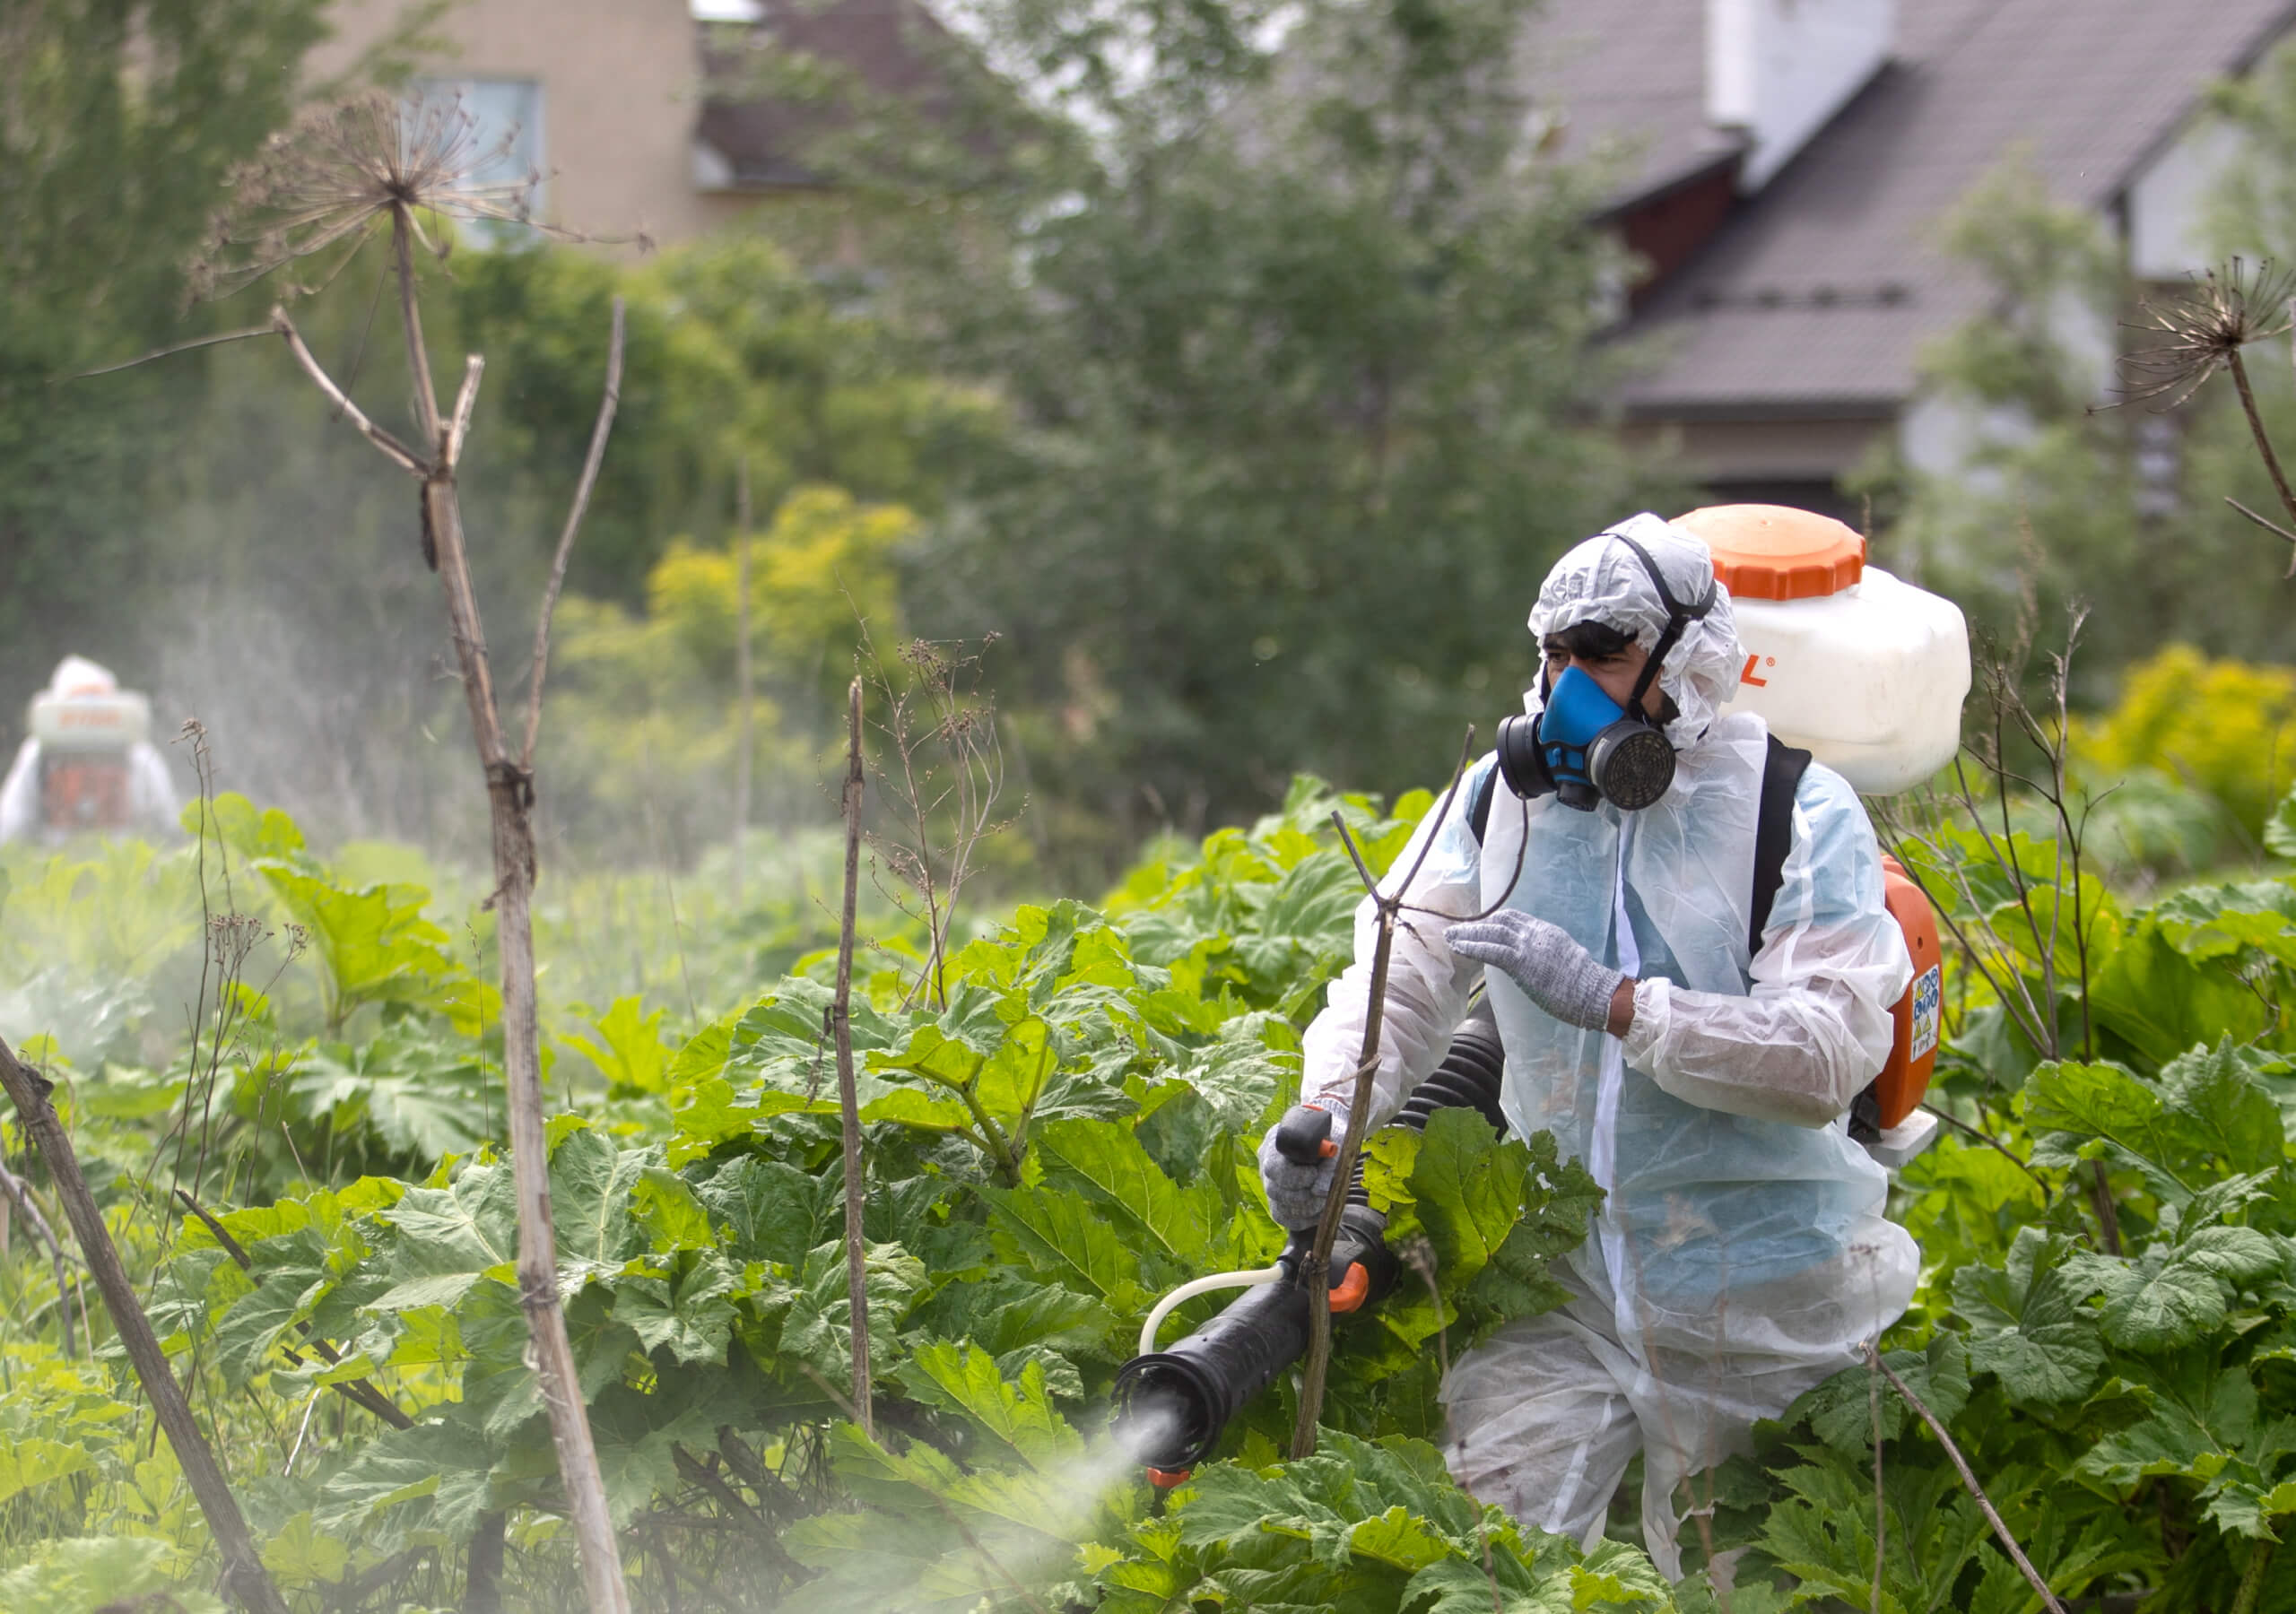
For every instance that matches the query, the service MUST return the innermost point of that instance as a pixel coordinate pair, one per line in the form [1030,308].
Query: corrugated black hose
[1172,1404]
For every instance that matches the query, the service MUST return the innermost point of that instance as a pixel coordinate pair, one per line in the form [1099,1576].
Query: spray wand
[1172,1405]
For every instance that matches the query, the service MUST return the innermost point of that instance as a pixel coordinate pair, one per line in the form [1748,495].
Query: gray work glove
[1296,1193]
[1559,976]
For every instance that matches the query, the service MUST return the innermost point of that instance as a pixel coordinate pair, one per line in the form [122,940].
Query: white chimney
[1778,69]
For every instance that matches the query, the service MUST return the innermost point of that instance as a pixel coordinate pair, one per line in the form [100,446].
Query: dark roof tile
[890,47]
[2089,87]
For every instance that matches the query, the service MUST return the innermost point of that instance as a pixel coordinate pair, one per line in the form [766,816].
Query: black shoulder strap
[1782,775]
[1478,807]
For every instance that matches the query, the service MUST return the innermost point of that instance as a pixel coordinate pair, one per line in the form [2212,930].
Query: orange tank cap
[1777,552]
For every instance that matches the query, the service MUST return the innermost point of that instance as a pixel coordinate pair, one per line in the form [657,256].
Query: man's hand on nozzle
[1296,1192]
[1558,976]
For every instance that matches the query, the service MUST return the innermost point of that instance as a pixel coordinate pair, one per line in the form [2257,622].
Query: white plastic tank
[84,709]
[1866,672]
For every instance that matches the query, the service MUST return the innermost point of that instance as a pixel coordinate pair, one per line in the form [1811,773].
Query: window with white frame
[506,118]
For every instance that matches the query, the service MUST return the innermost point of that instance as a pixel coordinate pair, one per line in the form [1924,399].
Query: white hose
[1201,1285]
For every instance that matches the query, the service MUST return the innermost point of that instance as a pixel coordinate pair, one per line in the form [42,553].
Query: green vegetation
[123,121]
[1239,386]
[1069,1137]
[1064,1137]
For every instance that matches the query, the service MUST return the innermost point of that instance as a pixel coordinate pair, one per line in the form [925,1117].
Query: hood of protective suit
[77,675]
[1602,581]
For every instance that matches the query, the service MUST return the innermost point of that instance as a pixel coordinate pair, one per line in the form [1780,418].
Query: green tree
[118,121]
[284,599]
[2040,506]
[734,355]
[2072,484]
[1296,325]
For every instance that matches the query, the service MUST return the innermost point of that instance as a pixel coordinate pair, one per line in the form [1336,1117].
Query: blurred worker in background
[1699,1065]
[87,765]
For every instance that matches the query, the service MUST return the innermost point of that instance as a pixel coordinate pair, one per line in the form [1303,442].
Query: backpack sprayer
[1172,1405]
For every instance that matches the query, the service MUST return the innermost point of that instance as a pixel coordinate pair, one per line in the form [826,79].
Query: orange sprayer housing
[1913,1051]
[83,792]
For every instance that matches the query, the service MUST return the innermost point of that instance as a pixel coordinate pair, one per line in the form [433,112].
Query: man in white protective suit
[1740,1255]
[88,765]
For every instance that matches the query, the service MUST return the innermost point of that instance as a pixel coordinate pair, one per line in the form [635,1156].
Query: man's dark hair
[1588,641]
[1598,641]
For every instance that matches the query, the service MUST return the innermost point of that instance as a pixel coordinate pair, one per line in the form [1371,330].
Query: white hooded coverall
[1740,1256]
[150,792]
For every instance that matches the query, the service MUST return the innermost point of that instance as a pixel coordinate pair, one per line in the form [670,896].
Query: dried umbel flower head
[317,187]
[2203,330]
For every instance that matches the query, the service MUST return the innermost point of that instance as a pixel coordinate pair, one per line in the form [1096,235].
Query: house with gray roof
[1783,166]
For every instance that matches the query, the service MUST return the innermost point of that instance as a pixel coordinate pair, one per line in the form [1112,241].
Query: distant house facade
[1783,166]
[612,101]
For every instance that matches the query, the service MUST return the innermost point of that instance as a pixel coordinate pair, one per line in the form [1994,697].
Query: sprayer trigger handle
[1354,1290]
[1303,1136]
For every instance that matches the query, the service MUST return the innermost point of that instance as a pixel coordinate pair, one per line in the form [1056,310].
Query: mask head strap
[1679,617]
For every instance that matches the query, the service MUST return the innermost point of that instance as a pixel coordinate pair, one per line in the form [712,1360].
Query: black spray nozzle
[1172,1405]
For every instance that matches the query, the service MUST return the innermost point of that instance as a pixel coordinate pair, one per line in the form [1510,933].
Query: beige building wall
[621,90]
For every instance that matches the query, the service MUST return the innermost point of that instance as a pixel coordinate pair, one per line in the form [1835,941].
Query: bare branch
[173,347]
[361,1390]
[2267,524]
[404,231]
[1362,871]
[20,1193]
[406,457]
[466,401]
[2255,430]
[1994,1143]
[1442,812]
[1969,1481]
[607,404]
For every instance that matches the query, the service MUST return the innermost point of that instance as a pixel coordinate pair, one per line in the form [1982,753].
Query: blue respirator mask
[1585,748]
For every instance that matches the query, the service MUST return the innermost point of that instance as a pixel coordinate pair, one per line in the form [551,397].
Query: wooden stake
[848,1100]
[245,1579]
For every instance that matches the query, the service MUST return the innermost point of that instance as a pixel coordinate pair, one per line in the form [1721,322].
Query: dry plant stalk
[745,680]
[316,189]
[942,778]
[1315,1267]
[245,1579]
[2203,331]
[849,1103]
[1987,951]
[1969,1483]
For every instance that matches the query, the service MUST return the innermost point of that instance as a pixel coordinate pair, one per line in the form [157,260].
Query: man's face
[1616,672]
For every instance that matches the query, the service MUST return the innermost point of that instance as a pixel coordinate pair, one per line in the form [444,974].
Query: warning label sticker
[1928,993]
